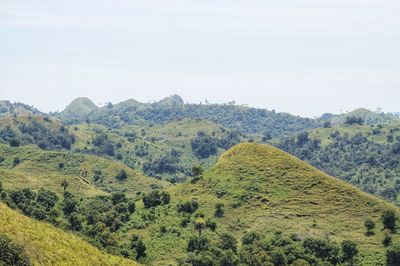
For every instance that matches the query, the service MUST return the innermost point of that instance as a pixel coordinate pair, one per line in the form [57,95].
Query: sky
[305,57]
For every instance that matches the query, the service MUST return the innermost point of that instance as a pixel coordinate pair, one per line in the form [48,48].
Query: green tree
[370,226]
[12,254]
[393,255]
[200,225]
[64,184]
[75,221]
[389,219]
[349,250]
[122,175]
[227,242]
[219,210]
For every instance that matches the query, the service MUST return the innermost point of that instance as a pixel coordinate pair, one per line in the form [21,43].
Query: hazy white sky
[306,57]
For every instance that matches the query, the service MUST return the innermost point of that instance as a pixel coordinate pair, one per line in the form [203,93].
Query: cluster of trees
[369,165]
[38,205]
[47,137]
[169,163]
[259,250]
[204,145]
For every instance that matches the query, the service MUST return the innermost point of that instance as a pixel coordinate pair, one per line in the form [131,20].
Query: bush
[188,206]
[12,254]
[349,250]
[393,255]
[122,175]
[156,198]
[370,226]
[389,219]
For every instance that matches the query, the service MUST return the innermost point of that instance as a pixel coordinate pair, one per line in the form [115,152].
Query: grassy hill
[46,245]
[367,156]
[78,109]
[88,175]
[266,190]
[369,117]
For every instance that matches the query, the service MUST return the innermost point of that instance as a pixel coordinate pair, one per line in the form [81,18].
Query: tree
[370,226]
[200,225]
[389,219]
[122,175]
[349,250]
[219,210]
[64,184]
[131,206]
[14,143]
[47,198]
[138,245]
[75,221]
[197,171]
[12,254]
[69,205]
[165,197]
[118,197]
[393,255]
[227,242]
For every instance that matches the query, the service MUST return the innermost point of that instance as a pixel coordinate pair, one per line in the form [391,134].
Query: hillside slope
[367,156]
[265,189]
[87,175]
[46,245]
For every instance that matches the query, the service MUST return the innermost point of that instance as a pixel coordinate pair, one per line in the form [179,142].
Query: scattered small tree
[219,210]
[122,175]
[389,220]
[200,225]
[393,255]
[370,226]
[64,184]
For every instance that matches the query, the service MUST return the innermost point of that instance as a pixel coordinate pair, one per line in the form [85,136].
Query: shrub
[393,255]
[370,226]
[188,206]
[389,219]
[122,175]
[12,254]
[349,250]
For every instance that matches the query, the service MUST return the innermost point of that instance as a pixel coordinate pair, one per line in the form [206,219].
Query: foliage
[12,254]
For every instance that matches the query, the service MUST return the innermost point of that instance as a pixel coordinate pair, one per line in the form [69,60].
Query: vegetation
[365,156]
[46,245]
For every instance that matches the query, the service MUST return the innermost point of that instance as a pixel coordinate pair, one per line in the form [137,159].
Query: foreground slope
[46,245]
[265,189]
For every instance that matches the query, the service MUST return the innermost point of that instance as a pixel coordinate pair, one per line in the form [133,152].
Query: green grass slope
[38,168]
[46,245]
[265,189]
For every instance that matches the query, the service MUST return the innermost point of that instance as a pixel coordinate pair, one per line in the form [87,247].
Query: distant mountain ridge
[237,117]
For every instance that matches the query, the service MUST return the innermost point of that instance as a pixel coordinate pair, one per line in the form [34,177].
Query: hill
[46,245]
[78,109]
[366,156]
[236,117]
[368,117]
[87,175]
[263,189]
